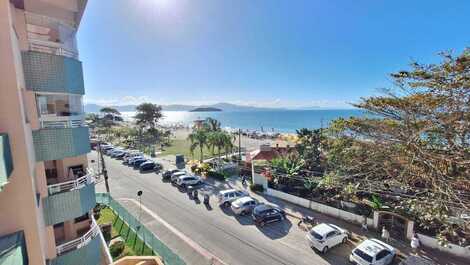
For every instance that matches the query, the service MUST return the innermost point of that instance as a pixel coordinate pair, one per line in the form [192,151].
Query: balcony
[6,161]
[62,122]
[45,72]
[58,143]
[83,250]
[68,200]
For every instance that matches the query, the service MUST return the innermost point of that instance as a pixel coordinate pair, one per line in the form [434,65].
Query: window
[363,255]
[82,218]
[59,105]
[382,254]
[59,225]
[331,234]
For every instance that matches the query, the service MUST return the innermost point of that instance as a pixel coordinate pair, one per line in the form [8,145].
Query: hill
[205,109]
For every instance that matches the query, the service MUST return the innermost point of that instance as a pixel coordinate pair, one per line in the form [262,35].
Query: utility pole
[239,148]
[104,171]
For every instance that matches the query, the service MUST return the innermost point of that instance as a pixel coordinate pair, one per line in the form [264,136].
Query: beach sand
[247,143]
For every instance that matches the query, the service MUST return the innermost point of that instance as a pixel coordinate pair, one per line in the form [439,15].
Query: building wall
[24,213]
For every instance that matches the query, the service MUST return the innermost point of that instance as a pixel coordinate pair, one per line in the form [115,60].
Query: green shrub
[257,187]
[116,249]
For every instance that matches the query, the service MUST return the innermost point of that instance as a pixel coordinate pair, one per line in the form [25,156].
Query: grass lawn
[178,146]
[134,245]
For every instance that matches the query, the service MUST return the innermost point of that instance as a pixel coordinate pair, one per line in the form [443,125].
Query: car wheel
[261,223]
[226,204]
[345,239]
[244,212]
[325,249]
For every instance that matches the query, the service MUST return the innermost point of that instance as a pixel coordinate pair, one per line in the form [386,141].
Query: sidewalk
[357,234]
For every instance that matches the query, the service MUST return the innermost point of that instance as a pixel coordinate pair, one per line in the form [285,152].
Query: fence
[168,256]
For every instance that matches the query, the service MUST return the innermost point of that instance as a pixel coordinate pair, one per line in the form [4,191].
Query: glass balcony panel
[50,35]
[57,105]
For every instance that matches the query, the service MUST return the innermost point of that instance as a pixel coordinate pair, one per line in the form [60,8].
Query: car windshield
[316,235]
[363,255]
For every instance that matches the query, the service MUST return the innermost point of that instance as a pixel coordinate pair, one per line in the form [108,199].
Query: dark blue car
[263,214]
[139,162]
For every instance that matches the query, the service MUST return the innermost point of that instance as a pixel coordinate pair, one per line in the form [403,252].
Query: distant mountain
[177,107]
[205,109]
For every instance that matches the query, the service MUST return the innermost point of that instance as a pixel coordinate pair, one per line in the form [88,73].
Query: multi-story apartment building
[46,193]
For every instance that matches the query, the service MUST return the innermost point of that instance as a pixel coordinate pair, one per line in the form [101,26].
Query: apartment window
[59,105]
[59,225]
[82,218]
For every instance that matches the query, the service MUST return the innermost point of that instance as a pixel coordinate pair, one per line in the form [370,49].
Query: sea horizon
[275,121]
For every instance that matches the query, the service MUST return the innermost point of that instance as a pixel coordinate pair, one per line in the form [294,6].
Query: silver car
[243,205]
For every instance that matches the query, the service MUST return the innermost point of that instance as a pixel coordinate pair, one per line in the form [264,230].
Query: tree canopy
[414,143]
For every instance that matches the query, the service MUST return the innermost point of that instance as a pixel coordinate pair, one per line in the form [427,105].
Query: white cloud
[126,100]
[269,103]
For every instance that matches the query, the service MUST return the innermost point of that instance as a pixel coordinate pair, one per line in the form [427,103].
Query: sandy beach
[247,143]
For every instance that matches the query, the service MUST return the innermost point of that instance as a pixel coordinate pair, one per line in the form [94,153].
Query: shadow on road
[276,230]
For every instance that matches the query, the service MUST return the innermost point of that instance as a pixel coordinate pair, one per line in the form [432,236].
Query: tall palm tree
[198,139]
[212,125]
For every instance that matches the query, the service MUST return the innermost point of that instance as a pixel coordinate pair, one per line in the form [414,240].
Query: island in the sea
[205,109]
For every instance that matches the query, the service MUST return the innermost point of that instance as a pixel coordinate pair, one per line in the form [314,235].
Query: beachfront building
[46,193]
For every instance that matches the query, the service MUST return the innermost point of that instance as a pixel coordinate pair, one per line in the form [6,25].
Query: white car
[226,197]
[325,236]
[188,180]
[373,252]
[131,160]
[130,155]
[243,206]
[176,175]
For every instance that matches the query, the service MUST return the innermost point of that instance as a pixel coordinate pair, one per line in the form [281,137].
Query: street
[231,239]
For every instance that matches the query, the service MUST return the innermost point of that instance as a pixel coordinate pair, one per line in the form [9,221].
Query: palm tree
[212,124]
[198,139]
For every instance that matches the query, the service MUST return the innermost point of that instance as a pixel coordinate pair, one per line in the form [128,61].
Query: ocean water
[286,121]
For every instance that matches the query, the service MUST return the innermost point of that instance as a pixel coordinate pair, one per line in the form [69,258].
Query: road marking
[204,252]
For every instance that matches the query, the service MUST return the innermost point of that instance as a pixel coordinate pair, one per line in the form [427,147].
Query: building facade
[46,192]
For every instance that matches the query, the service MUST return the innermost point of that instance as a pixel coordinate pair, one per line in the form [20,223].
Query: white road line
[190,242]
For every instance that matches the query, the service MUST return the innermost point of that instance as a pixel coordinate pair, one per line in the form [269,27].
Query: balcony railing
[81,241]
[51,48]
[62,121]
[78,183]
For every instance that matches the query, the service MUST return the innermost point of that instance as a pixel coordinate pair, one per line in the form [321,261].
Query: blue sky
[259,52]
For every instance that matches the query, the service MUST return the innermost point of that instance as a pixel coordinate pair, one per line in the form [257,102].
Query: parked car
[147,166]
[105,148]
[373,251]
[158,167]
[136,164]
[226,197]
[188,180]
[117,153]
[130,155]
[325,236]
[110,152]
[263,214]
[121,155]
[243,205]
[167,174]
[133,159]
[176,175]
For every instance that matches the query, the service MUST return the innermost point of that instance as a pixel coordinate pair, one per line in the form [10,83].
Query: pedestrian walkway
[357,234]
[183,246]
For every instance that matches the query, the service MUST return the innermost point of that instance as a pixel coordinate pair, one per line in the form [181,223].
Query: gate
[397,225]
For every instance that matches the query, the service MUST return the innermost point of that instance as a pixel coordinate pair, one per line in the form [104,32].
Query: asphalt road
[234,240]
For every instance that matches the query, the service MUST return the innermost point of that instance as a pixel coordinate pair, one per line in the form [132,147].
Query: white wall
[452,249]
[325,209]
